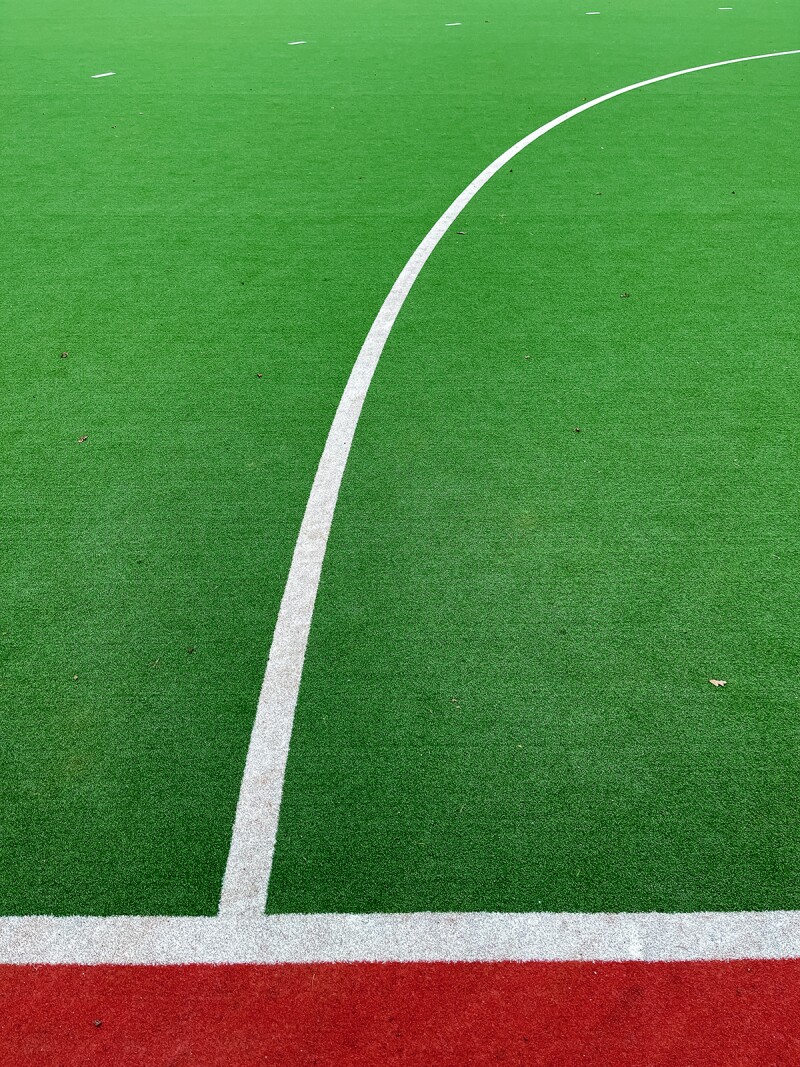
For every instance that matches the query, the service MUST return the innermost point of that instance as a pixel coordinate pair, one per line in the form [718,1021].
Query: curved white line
[244,887]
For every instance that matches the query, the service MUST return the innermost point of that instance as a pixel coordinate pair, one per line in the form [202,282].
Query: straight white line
[424,936]
[244,888]
[108,74]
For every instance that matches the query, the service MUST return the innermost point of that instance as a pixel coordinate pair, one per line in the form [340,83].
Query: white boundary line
[241,932]
[421,937]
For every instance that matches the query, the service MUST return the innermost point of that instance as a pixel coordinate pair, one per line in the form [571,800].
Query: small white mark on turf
[452,23]
[297,42]
[107,74]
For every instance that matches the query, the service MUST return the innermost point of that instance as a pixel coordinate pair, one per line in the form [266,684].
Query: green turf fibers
[226,206]
[572,501]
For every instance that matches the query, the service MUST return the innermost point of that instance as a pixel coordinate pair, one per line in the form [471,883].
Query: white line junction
[241,932]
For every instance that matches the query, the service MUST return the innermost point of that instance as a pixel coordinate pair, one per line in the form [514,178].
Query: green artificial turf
[573,501]
[227,206]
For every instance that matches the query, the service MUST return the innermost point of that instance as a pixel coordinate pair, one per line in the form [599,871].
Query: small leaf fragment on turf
[717,682]
[577,429]
[64,355]
[259,375]
[82,439]
[625,296]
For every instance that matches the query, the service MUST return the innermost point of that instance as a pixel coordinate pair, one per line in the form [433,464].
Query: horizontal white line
[423,937]
[107,74]
[297,42]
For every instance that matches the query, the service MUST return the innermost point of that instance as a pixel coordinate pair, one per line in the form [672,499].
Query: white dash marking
[452,23]
[244,887]
[297,42]
[107,74]
[592,12]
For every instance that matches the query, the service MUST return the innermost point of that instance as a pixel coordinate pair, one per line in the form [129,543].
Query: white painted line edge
[298,42]
[452,23]
[424,936]
[247,872]
[108,74]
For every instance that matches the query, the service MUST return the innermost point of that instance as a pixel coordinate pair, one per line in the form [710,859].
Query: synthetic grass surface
[571,502]
[227,206]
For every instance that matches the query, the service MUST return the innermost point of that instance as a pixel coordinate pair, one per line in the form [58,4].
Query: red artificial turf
[615,1014]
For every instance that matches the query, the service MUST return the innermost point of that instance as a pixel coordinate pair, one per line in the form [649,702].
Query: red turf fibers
[619,1014]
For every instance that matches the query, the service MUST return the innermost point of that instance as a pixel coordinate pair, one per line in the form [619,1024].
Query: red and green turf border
[725,1014]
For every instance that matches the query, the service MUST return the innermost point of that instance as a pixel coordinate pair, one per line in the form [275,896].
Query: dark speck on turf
[577,429]
[190,650]
[64,355]
[625,295]
[98,1022]
[259,375]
